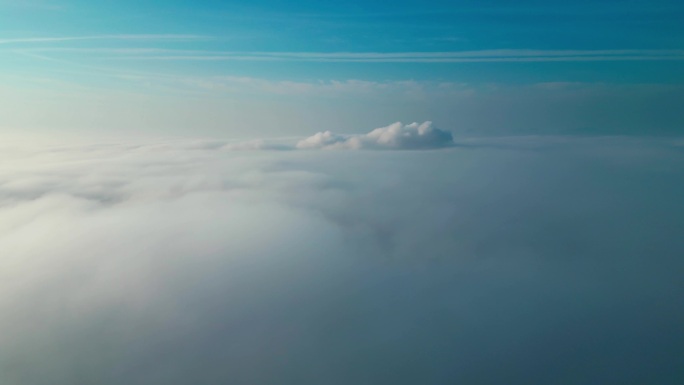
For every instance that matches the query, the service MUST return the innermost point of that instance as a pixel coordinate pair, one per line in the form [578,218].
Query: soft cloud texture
[509,260]
[395,136]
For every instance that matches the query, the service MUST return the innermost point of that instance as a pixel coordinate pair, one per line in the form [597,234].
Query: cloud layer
[395,136]
[181,263]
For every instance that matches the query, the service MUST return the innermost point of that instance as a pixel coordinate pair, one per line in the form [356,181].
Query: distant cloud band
[479,56]
[101,37]
[507,55]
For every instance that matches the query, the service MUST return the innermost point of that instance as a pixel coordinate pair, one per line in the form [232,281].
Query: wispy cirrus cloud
[28,44]
[496,55]
[148,37]
[34,5]
[433,57]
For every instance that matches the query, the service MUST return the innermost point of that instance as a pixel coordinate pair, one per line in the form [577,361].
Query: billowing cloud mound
[179,263]
[395,136]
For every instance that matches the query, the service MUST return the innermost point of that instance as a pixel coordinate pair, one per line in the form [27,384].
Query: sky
[209,68]
[360,192]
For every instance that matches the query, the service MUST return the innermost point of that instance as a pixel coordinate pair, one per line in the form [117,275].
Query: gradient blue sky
[281,68]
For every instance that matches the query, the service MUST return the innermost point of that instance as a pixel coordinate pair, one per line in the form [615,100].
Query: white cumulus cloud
[395,136]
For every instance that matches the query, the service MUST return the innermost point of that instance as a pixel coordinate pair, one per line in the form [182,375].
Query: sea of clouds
[522,260]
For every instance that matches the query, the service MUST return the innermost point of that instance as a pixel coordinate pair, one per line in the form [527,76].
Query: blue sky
[270,54]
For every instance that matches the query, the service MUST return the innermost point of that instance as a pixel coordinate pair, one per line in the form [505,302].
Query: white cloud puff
[395,136]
